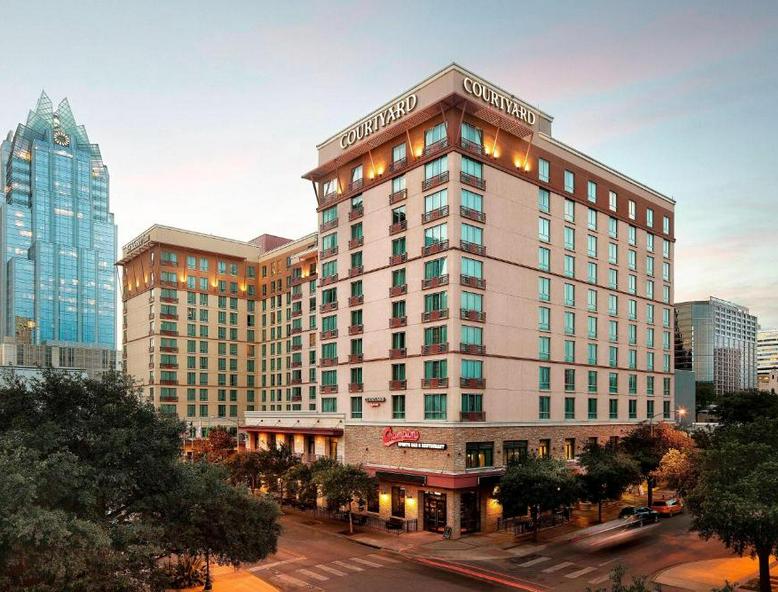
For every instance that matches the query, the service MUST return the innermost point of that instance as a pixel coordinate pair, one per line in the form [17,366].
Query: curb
[483,575]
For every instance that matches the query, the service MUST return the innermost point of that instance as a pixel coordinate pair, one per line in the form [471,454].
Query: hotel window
[569,266]
[613,227]
[544,289]
[398,278]
[472,335]
[435,168]
[544,170]
[472,168]
[434,134]
[356,289]
[613,383]
[544,448]
[649,265]
[591,191]
[665,362]
[436,201]
[191,262]
[632,284]
[632,359]
[356,202]
[591,272]
[356,407]
[356,318]
[613,253]
[632,235]
[472,268]
[569,295]
[631,212]
[544,258]
[398,215]
[398,406]
[591,327]
[329,268]
[591,300]
[544,200]
[472,201]
[612,201]
[650,386]
[591,381]
[613,409]
[435,406]
[435,234]
[544,407]
[650,409]
[398,184]
[569,323]
[435,302]
[399,154]
[435,268]
[473,235]
[650,289]
[570,352]
[666,271]
[544,378]
[471,135]
[472,369]
[544,318]
[435,369]
[632,259]
[633,384]
[649,242]
[666,386]
[356,231]
[329,405]
[472,302]
[650,314]
[650,361]
[329,241]
[613,356]
[569,210]
[569,181]
[592,409]
[649,217]
[569,238]
[569,379]
[330,187]
[203,264]
[329,296]
[665,317]
[665,224]
[613,279]
[633,409]
[665,248]
[569,414]
[592,351]
[592,219]
[479,454]
[514,451]
[435,335]
[544,348]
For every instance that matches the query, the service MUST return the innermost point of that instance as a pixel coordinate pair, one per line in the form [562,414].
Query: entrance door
[435,512]
[470,511]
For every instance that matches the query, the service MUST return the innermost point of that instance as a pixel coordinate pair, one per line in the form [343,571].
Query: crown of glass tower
[57,235]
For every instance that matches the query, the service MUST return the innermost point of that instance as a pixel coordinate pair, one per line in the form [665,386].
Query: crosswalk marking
[378,557]
[312,574]
[558,566]
[580,572]
[600,580]
[291,580]
[366,562]
[329,569]
[532,562]
[348,566]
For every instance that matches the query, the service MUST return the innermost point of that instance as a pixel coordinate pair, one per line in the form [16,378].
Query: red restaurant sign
[391,437]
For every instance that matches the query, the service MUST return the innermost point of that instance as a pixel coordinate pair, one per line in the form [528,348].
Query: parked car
[669,507]
[642,514]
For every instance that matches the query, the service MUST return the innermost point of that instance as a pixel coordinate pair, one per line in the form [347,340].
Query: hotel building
[767,359]
[485,292]
[214,327]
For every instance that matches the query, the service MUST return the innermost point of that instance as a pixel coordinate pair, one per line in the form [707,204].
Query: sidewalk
[701,576]
[228,579]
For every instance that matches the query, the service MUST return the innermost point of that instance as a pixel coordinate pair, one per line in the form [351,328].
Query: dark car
[642,514]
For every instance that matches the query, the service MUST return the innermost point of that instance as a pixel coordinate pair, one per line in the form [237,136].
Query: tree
[302,482]
[736,495]
[274,463]
[344,484]
[746,406]
[607,473]
[220,445]
[540,484]
[244,467]
[617,575]
[704,395]
[678,469]
[647,443]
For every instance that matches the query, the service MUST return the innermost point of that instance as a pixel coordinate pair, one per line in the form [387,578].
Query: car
[642,514]
[669,507]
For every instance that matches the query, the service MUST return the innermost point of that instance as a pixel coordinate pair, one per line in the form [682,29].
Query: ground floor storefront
[310,436]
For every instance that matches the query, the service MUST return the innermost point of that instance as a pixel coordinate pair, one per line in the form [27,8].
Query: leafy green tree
[648,442]
[704,395]
[344,484]
[220,445]
[301,480]
[678,469]
[540,484]
[746,406]
[244,468]
[736,495]
[274,464]
[606,474]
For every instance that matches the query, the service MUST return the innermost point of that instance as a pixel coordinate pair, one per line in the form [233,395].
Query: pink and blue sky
[208,113]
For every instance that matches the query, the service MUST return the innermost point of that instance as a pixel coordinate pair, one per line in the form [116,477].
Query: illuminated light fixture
[486,150]
[496,154]
[213,284]
[526,167]
[418,152]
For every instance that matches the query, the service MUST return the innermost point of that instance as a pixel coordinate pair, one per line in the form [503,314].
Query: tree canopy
[343,484]
[606,474]
[746,406]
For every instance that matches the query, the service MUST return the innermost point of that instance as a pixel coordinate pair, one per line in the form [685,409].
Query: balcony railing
[434,282]
[328,306]
[356,242]
[296,364]
[434,315]
[295,330]
[435,348]
[356,213]
[356,185]
[434,383]
[470,146]
[355,300]
[328,361]
[328,252]
[397,196]
[472,214]
[295,381]
[472,315]
[356,329]
[355,271]
[398,164]
[398,259]
[328,279]
[168,332]
[329,389]
[436,214]
[434,181]
[329,225]
[473,248]
[436,147]
[166,349]
[395,322]
[398,226]
[478,383]
[395,353]
[434,248]
[356,387]
[297,296]
[296,346]
[472,416]
[398,290]
[398,385]
[472,180]
[329,196]
[471,348]
[168,365]
[297,313]
[168,299]
[472,282]
[332,334]
[355,358]
[295,280]
[168,381]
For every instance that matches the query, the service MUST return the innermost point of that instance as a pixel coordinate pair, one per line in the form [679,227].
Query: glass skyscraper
[57,236]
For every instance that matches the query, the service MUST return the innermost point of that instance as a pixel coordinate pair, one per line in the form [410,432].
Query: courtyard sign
[499,100]
[380,120]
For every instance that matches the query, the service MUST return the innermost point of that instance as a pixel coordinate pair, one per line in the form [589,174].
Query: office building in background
[767,359]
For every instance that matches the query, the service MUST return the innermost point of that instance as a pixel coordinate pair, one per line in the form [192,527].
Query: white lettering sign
[499,101]
[422,445]
[380,120]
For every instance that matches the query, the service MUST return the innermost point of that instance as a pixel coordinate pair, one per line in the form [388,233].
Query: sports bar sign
[499,100]
[406,438]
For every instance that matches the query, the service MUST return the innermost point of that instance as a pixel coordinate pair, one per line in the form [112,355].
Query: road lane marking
[347,566]
[558,566]
[580,572]
[312,574]
[291,580]
[329,569]
[366,562]
[609,561]
[534,561]
[274,564]
[378,557]
[601,579]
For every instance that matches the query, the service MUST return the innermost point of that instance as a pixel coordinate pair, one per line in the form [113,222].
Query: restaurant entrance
[470,512]
[434,511]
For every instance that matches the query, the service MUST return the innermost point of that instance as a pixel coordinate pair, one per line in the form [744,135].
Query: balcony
[356,213]
[472,214]
[295,330]
[355,358]
[295,381]
[395,353]
[436,147]
[436,214]
[167,382]
[296,364]
[472,282]
[472,416]
[472,315]
[327,307]
[355,271]
[398,259]
[435,348]
[296,347]
[168,365]
[398,164]
[332,334]
[434,315]
[297,296]
[297,313]
[441,280]
[356,387]
[395,322]
[434,181]
[168,399]
[172,349]
[477,383]
[168,316]
[168,299]
[398,385]
[168,332]
[398,290]
[326,253]
[356,185]
[328,197]
[329,389]
[328,362]
[328,279]
[295,280]
[434,383]
[168,283]
[356,242]
[168,262]
[472,180]
[471,348]
[470,146]
[356,300]
[473,248]
[329,225]
[437,247]
[356,329]
[398,227]
[397,196]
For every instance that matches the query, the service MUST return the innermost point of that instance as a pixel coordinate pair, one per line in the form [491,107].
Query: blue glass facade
[57,234]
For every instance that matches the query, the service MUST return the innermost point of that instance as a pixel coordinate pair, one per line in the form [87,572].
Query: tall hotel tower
[58,245]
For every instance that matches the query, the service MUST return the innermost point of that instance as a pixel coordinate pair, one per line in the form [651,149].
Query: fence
[523,524]
[369,521]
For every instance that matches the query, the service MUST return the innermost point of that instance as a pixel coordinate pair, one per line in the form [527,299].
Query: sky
[207,114]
